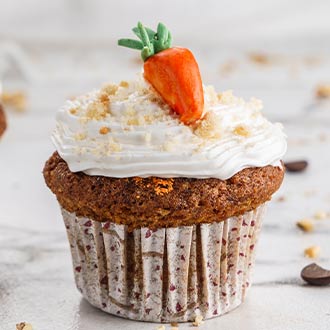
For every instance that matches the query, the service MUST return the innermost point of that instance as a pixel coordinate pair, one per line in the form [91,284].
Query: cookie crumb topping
[241,131]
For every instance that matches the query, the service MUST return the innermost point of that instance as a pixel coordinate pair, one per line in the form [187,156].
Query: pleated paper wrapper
[164,275]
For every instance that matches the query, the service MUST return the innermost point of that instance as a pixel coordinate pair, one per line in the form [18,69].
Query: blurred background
[275,50]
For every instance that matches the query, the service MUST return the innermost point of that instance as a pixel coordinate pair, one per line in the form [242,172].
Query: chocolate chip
[315,275]
[296,166]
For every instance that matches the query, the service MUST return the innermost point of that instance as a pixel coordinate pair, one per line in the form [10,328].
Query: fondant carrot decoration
[173,72]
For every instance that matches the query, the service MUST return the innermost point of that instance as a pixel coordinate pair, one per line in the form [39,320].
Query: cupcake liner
[164,275]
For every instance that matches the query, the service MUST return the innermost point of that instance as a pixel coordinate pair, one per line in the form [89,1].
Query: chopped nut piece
[104,130]
[241,130]
[16,100]
[312,251]
[198,321]
[23,326]
[320,215]
[305,225]
[323,91]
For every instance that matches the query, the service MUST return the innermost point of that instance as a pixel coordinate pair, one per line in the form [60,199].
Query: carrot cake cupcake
[163,184]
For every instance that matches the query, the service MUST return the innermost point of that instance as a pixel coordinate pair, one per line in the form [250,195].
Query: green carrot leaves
[150,42]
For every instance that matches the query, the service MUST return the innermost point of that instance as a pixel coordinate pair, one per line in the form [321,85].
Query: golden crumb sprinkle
[174,324]
[24,326]
[97,110]
[241,130]
[104,130]
[109,89]
[73,111]
[312,251]
[198,321]
[104,98]
[323,91]
[208,127]
[15,100]
[305,225]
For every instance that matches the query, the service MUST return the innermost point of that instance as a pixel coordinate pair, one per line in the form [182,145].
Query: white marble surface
[51,60]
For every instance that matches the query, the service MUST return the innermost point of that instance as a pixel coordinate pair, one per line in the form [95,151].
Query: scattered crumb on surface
[15,100]
[174,324]
[305,225]
[320,215]
[24,326]
[198,321]
[259,58]
[104,130]
[312,252]
[323,91]
[161,327]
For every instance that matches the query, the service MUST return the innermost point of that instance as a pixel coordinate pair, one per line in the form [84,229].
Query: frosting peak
[127,130]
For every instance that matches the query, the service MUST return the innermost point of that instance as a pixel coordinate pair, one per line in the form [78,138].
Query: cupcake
[163,184]
[3,123]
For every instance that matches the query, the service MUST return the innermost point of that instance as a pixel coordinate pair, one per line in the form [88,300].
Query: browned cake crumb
[3,123]
[15,100]
[323,91]
[154,202]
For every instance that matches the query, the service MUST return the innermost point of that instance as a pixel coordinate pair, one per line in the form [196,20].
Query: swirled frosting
[127,130]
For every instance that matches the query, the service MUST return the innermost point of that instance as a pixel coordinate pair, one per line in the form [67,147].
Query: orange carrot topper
[172,71]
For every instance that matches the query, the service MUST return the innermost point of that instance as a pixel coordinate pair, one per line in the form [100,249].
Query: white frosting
[146,139]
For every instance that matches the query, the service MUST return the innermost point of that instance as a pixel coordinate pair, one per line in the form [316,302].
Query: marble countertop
[36,279]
